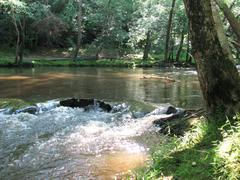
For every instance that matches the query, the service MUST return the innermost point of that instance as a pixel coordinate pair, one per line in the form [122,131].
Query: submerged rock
[171,112]
[167,109]
[29,109]
[6,111]
[84,103]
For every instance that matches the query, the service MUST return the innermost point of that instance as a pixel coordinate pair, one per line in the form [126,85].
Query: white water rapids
[61,142]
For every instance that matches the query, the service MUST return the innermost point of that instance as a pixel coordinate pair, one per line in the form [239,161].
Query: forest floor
[59,57]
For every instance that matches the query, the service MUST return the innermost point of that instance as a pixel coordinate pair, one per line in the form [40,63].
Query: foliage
[202,153]
[227,159]
[121,25]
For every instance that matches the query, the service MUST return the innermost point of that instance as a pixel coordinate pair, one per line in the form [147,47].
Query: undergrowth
[227,157]
[204,152]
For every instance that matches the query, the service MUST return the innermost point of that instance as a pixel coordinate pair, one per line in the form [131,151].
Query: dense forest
[109,29]
[120,89]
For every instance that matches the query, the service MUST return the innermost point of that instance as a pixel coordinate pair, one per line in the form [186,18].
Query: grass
[203,152]
[6,56]
[7,60]
[227,158]
[98,63]
[13,103]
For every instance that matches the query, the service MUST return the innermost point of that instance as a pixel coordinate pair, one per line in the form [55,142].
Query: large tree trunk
[218,76]
[180,46]
[79,37]
[233,21]
[169,28]
[147,46]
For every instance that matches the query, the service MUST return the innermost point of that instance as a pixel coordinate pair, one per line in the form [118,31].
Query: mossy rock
[13,103]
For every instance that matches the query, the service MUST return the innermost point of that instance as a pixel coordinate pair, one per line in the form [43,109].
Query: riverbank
[205,151]
[48,59]
[92,63]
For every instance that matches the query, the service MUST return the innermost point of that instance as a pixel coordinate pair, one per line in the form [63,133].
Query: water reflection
[111,84]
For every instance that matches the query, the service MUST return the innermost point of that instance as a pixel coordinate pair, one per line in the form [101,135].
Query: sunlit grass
[227,159]
[204,152]
[12,103]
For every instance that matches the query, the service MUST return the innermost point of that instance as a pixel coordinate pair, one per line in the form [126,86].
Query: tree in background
[146,28]
[79,27]
[169,29]
[17,12]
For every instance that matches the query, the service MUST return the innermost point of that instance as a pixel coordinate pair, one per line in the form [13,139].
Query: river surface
[64,143]
[111,84]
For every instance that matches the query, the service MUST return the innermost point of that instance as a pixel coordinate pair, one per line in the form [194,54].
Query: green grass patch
[13,103]
[227,158]
[6,56]
[204,152]
[98,63]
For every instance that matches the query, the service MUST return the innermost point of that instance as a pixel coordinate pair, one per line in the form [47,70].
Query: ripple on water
[67,142]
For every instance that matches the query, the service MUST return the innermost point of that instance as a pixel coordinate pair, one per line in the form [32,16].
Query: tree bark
[220,30]
[230,8]
[20,30]
[169,28]
[188,45]
[217,73]
[147,46]
[79,37]
[233,21]
[180,46]
[172,44]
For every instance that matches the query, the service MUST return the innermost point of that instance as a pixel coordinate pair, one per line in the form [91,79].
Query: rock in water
[166,109]
[74,103]
[104,106]
[171,110]
[29,109]
[83,103]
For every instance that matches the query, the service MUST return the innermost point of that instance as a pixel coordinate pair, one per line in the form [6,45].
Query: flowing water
[112,84]
[64,143]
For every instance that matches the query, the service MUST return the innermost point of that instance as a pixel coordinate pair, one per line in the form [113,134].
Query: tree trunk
[105,29]
[230,8]
[180,46]
[20,30]
[17,57]
[147,46]
[169,28]
[217,73]
[188,45]
[233,21]
[79,37]
[220,30]
[172,40]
